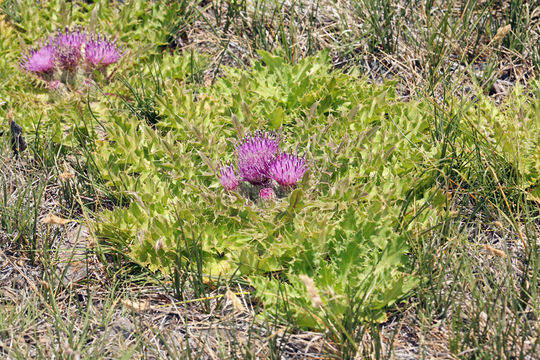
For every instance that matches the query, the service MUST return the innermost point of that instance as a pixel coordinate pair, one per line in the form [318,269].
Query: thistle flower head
[267,193]
[227,177]
[68,45]
[101,51]
[255,153]
[287,169]
[39,60]
[71,38]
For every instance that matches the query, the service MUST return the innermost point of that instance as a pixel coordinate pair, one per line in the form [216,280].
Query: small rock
[17,141]
[124,326]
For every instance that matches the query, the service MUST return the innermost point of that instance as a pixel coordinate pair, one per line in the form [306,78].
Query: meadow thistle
[227,177]
[68,46]
[263,171]
[287,169]
[267,193]
[255,153]
[101,52]
[66,51]
[40,60]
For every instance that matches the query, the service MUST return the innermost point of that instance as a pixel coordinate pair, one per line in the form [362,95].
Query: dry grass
[448,46]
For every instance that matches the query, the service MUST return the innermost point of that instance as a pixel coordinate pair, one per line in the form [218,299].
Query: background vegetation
[415,233]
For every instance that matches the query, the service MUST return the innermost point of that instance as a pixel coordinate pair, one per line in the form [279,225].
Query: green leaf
[276,118]
[295,200]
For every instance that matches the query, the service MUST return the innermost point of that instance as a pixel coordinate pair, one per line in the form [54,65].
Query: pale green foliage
[514,130]
[365,149]
[343,226]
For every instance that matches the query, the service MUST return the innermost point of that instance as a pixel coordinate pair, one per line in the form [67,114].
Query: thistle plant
[40,60]
[287,169]
[255,153]
[61,57]
[101,52]
[68,45]
[263,170]
[228,178]
[267,193]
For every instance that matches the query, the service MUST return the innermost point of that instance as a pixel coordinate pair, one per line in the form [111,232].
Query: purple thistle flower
[267,193]
[227,177]
[71,38]
[39,60]
[287,169]
[68,45]
[255,153]
[102,52]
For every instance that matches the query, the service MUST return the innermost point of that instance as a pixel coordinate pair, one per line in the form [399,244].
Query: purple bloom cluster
[68,50]
[260,163]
